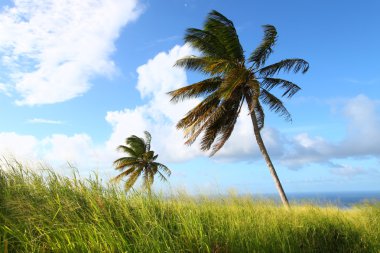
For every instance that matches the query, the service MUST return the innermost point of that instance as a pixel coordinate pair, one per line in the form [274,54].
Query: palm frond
[137,144]
[289,87]
[205,64]
[209,135]
[162,177]
[232,81]
[200,112]
[195,90]
[123,174]
[207,120]
[127,150]
[228,127]
[192,132]
[262,52]
[148,139]
[274,104]
[206,43]
[284,65]
[148,156]
[124,162]
[163,168]
[220,120]
[132,179]
[225,31]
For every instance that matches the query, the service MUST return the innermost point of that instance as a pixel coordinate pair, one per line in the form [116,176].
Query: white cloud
[363,135]
[12,144]
[159,76]
[348,171]
[362,138]
[51,49]
[44,121]
[57,150]
[77,149]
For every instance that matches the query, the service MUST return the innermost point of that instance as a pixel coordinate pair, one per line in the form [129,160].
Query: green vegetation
[234,80]
[46,212]
[139,160]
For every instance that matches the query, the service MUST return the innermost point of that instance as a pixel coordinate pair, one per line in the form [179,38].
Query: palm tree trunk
[266,156]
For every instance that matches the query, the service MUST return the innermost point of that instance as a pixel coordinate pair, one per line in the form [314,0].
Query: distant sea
[340,199]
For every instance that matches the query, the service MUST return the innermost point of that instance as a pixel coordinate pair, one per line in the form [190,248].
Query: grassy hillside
[45,212]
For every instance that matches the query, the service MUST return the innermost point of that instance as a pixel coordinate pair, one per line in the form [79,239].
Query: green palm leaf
[289,87]
[206,42]
[228,126]
[274,104]
[128,150]
[195,90]
[163,168]
[201,112]
[132,179]
[137,144]
[124,174]
[205,64]
[262,52]
[225,31]
[124,162]
[286,66]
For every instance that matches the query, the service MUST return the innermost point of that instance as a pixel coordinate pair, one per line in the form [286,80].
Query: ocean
[340,199]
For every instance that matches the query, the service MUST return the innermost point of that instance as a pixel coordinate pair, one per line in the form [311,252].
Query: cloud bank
[159,116]
[361,140]
[51,49]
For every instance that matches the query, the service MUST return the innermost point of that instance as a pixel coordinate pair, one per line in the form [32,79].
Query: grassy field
[45,212]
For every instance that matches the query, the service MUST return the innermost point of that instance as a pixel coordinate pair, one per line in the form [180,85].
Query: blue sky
[78,77]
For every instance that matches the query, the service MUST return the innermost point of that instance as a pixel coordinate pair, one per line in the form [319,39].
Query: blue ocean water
[340,199]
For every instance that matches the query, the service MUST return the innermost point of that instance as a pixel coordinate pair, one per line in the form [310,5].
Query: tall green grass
[45,212]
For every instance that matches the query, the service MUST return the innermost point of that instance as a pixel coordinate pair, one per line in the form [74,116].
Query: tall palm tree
[233,80]
[139,160]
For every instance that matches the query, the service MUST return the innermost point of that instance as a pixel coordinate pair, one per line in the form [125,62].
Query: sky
[78,77]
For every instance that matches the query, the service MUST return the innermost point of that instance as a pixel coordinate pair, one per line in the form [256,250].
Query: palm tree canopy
[233,80]
[140,160]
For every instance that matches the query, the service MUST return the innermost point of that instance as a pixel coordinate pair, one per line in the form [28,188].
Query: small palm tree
[139,160]
[233,81]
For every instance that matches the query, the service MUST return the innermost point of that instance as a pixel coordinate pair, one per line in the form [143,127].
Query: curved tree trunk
[265,154]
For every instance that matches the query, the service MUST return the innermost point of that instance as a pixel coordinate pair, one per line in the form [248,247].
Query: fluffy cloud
[55,47]
[57,150]
[12,144]
[363,135]
[362,138]
[61,148]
